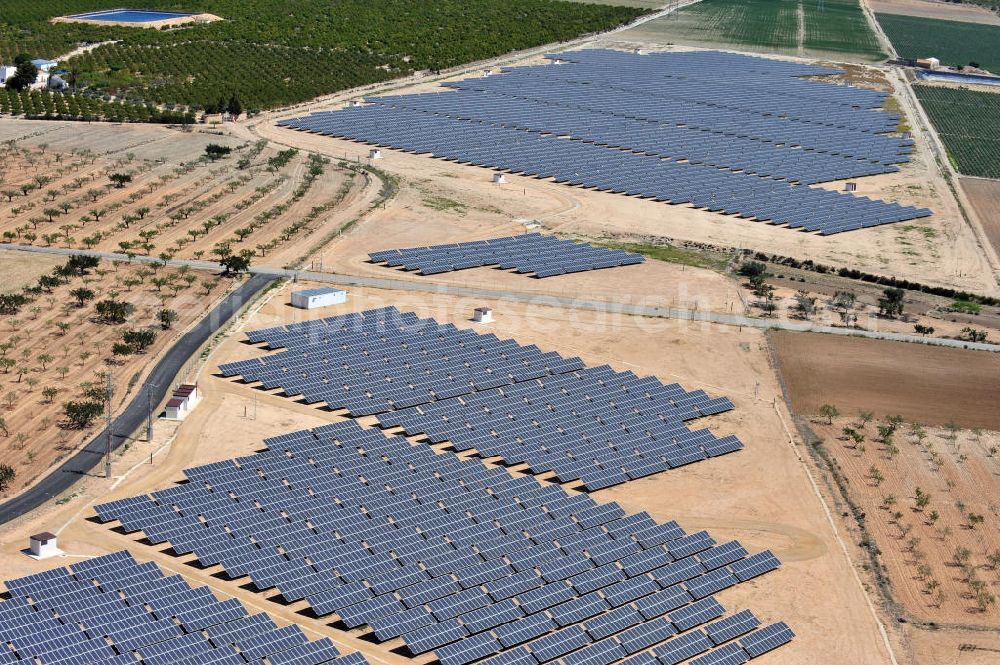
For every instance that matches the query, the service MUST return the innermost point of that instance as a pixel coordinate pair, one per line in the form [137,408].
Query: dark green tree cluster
[268,53]
[114,311]
[25,73]
[892,302]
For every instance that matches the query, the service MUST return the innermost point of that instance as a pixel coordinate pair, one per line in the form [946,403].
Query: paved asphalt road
[134,415]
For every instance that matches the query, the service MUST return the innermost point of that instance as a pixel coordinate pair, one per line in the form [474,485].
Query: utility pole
[111,420]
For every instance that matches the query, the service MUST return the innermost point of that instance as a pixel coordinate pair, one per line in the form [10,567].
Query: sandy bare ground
[759,515]
[984,200]
[932,385]
[18,270]
[934,9]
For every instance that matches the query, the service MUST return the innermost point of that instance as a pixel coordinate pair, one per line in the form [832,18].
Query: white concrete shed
[315,298]
[482,315]
[44,545]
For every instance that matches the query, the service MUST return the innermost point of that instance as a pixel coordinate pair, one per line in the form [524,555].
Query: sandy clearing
[984,199]
[19,270]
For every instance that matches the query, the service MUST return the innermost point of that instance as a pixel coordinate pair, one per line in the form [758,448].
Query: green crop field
[969,125]
[768,24]
[277,52]
[804,27]
[952,42]
[839,26]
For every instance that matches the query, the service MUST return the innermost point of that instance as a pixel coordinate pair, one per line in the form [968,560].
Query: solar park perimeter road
[678,313]
[160,378]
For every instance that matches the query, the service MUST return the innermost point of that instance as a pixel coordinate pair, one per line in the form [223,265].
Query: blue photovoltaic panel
[727,133]
[495,553]
[107,599]
[590,425]
[766,639]
[545,256]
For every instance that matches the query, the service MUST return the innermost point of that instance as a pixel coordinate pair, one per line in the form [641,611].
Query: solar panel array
[498,397]
[546,256]
[114,609]
[455,557]
[733,134]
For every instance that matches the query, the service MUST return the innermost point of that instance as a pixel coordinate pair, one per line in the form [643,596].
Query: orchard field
[267,55]
[969,124]
[256,200]
[63,334]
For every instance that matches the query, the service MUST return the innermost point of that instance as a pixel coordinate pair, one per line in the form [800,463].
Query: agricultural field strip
[589,424]
[542,153]
[198,209]
[112,608]
[968,123]
[457,558]
[47,105]
[828,27]
[586,304]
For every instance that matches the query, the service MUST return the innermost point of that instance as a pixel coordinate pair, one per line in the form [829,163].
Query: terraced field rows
[968,123]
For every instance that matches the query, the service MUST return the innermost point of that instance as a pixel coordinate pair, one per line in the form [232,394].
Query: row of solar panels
[695,141]
[724,79]
[564,429]
[591,166]
[113,609]
[454,557]
[545,256]
[594,425]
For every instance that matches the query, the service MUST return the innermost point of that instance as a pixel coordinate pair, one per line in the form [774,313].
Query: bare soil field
[56,348]
[931,385]
[815,590]
[984,197]
[18,270]
[934,9]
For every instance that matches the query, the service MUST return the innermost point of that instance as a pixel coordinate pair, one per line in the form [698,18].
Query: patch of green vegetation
[444,204]
[956,43]
[672,254]
[833,26]
[839,26]
[769,24]
[965,307]
[48,105]
[276,52]
[62,501]
[927,231]
[968,123]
